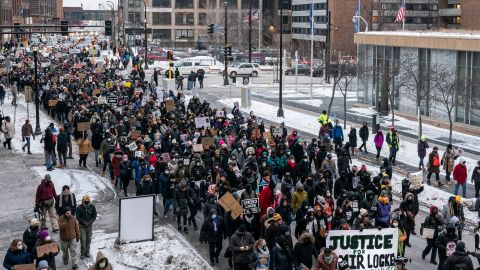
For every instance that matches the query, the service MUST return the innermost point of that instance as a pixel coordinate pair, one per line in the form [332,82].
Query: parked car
[243,69]
[301,70]
[185,67]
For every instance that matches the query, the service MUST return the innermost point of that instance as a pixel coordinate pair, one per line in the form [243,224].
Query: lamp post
[113,21]
[146,34]
[225,79]
[280,86]
[250,33]
[38,131]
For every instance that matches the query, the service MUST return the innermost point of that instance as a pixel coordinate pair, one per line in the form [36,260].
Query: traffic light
[229,48]
[108,28]
[211,28]
[64,28]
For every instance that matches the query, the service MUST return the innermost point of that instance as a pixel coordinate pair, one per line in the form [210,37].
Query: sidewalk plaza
[233,187]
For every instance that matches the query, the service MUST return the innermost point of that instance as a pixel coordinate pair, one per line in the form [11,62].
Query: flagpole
[403,24]
[260,4]
[312,28]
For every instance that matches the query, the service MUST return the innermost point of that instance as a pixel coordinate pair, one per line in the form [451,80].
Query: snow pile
[169,251]
[407,153]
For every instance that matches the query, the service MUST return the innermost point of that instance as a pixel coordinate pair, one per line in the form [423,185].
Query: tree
[343,74]
[414,81]
[446,83]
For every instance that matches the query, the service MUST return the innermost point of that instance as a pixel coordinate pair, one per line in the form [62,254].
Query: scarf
[64,196]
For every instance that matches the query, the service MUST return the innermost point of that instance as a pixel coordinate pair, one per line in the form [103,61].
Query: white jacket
[8,130]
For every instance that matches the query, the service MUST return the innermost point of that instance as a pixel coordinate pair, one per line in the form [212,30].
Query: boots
[179,228]
[185,230]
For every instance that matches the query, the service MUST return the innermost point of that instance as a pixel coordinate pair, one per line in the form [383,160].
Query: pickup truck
[185,67]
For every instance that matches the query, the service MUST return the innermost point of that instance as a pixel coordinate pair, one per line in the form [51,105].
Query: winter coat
[62,142]
[452,209]
[8,129]
[69,229]
[16,257]
[393,140]
[241,240]
[125,169]
[181,201]
[352,137]
[383,212]
[448,160]
[303,251]
[145,188]
[27,130]
[378,140]
[433,222]
[48,144]
[460,173]
[96,266]
[363,133]
[337,133]
[86,215]
[45,191]
[476,175]
[298,198]
[30,236]
[285,212]
[281,259]
[433,162]
[458,260]
[422,147]
[208,233]
[442,240]
[84,147]
[322,265]
[63,201]
[97,140]
[265,199]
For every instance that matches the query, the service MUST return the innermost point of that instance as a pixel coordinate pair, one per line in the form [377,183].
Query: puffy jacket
[48,144]
[84,147]
[86,215]
[304,251]
[383,212]
[45,191]
[460,173]
[281,259]
[363,133]
[298,198]
[181,201]
[337,133]
[442,240]
[208,233]
[62,142]
[30,236]
[8,130]
[16,257]
[422,148]
[241,240]
[378,140]
[458,260]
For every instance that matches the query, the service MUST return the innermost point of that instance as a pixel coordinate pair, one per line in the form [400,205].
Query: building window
[184,3]
[202,18]
[162,34]
[161,18]
[246,4]
[202,4]
[161,3]
[131,3]
[184,33]
[183,18]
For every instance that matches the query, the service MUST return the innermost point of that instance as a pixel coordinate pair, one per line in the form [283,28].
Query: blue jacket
[337,133]
[383,212]
[139,170]
[13,258]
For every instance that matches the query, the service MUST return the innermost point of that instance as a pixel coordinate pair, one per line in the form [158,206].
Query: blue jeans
[168,203]
[464,189]
[27,145]
[97,153]
[48,159]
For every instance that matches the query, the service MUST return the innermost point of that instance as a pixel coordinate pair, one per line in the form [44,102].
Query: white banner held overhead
[201,122]
[370,249]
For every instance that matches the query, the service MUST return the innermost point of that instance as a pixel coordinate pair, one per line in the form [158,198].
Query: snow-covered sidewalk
[407,153]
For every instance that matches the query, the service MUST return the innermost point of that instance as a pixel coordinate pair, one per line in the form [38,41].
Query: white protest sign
[201,122]
[251,204]
[132,146]
[370,249]
[102,100]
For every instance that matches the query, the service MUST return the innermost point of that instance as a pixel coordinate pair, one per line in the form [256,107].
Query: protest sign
[370,249]
[45,249]
[96,92]
[99,70]
[277,132]
[220,114]
[428,233]
[102,100]
[52,103]
[132,146]
[83,126]
[109,85]
[267,135]
[197,148]
[229,203]
[24,267]
[166,157]
[416,180]
[112,99]
[251,204]
[170,104]
[82,76]
[201,122]
[207,141]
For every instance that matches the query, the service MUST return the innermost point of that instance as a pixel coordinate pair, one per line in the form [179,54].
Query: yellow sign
[128,84]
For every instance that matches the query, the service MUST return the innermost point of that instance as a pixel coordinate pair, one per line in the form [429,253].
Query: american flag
[401,12]
[254,16]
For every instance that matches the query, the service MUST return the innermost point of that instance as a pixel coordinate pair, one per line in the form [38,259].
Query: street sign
[137,31]
[112,100]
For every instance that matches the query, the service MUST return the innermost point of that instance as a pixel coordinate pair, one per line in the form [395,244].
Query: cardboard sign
[135,134]
[252,204]
[96,92]
[83,126]
[365,253]
[28,94]
[207,141]
[166,157]
[170,105]
[197,148]
[267,135]
[277,132]
[428,233]
[255,134]
[201,122]
[132,146]
[24,267]
[45,249]
[416,180]
[52,103]
[109,85]
[229,203]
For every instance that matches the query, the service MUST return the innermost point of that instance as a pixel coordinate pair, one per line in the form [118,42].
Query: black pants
[179,218]
[201,83]
[338,145]
[83,159]
[378,152]
[193,213]
[437,176]
[364,146]
[240,266]
[477,189]
[125,182]
[441,262]
[430,246]
[8,142]
[214,249]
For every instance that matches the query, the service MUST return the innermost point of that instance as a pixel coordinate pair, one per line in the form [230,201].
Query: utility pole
[250,33]
[280,86]
[225,79]
[146,35]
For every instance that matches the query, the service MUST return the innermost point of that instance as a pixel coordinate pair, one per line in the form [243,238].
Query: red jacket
[460,173]
[45,191]
[265,200]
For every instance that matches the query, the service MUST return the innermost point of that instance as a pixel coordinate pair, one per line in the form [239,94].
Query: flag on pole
[402,11]
[254,17]
[311,19]
[356,22]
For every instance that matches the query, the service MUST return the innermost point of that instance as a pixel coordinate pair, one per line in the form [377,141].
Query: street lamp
[280,86]
[113,21]
[225,79]
[146,43]
[38,131]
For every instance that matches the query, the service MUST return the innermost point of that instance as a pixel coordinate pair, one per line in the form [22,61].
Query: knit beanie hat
[43,234]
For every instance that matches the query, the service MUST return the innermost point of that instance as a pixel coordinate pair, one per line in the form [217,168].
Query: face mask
[328,259]
[48,238]
[86,203]
[214,216]
[328,194]
[395,225]
[102,264]
[20,246]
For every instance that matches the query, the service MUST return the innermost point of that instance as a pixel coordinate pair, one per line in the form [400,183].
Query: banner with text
[370,249]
